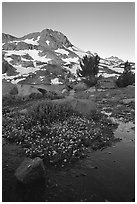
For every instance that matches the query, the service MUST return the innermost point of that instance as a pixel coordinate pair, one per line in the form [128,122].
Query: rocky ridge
[47,57]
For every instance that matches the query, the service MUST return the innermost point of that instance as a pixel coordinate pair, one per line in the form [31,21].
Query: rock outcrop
[30,170]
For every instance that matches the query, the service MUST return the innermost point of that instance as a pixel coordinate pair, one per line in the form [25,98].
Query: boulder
[26,90]
[127,101]
[30,170]
[80,86]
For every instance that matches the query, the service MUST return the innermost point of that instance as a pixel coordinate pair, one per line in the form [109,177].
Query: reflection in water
[34,192]
[115,179]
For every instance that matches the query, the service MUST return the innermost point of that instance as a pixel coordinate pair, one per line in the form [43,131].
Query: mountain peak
[54,38]
[47,55]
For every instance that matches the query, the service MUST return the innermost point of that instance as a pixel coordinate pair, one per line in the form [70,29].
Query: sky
[107,28]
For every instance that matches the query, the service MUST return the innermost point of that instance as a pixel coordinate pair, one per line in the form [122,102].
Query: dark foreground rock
[30,170]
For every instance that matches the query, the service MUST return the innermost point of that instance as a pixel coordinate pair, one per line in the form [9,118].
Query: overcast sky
[105,28]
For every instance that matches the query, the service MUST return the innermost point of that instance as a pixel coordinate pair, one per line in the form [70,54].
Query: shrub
[47,112]
[35,96]
[10,100]
[127,77]
[14,91]
[89,69]
[52,95]
[92,81]
[60,141]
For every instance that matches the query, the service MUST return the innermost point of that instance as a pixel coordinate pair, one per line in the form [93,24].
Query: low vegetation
[14,99]
[56,133]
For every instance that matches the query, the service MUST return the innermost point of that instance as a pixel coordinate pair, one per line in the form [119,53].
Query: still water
[107,175]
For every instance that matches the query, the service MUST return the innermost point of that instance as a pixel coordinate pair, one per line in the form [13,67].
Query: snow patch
[8,59]
[62,51]
[5,76]
[55,81]
[78,51]
[108,114]
[33,53]
[38,38]
[16,52]
[28,41]
[74,68]
[107,75]
[119,70]
[23,70]
[31,41]
[15,81]
[41,78]
[47,41]
[70,60]
[104,63]
[24,59]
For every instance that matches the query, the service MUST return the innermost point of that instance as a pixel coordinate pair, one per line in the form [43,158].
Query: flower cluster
[64,139]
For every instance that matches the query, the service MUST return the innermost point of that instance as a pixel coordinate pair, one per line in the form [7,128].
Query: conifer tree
[127,77]
[89,69]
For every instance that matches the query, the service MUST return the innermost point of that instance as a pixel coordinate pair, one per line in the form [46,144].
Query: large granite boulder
[8,88]
[30,170]
[27,90]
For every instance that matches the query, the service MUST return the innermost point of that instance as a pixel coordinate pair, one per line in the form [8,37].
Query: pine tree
[127,67]
[127,77]
[89,69]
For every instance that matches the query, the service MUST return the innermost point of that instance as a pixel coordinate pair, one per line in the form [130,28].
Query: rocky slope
[47,57]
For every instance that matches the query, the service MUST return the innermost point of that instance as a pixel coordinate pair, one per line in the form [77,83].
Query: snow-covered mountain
[47,57]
